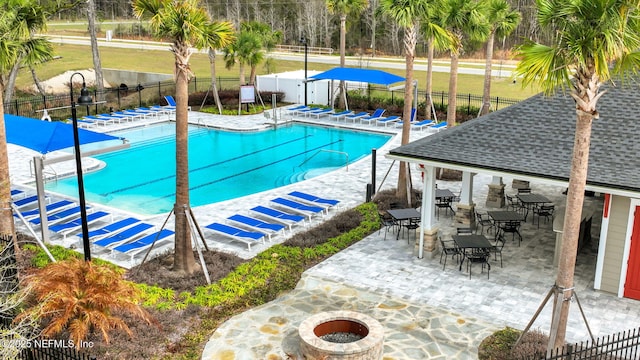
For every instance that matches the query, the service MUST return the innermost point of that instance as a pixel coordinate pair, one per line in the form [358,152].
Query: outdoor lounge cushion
[247,237]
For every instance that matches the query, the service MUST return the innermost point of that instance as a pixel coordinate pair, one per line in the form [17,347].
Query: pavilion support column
[495,196]
[428,234]
[465,209]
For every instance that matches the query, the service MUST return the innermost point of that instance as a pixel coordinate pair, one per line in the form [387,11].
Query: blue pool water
[223,165]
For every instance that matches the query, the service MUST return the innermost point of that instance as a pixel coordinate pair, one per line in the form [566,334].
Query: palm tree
[32,20]
[464,19]
[503,21]
[595,39]
[95,52]
[245,50]
[219,31]
[406,13]
[16,45]
[342,8]
[187,24]
[438,38]
[268,38]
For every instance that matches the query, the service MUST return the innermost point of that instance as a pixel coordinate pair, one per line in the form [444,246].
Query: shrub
[500,345]
[81,297]
[341,223]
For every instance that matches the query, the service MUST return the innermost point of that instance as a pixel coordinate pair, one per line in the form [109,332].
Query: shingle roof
[535,138]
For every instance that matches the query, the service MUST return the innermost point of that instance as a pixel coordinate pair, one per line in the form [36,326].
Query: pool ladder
[346,155]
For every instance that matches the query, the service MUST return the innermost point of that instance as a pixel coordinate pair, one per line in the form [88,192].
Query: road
[499,70]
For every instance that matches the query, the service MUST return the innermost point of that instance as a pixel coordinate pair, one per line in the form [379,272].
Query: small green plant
[501,345]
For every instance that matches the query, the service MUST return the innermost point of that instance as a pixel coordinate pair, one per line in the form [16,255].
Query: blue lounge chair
[373,117]
[438,127]
[421,125]
[247,237]
[58,216]
[319,113]
[412,121]
[300,110]
[69,227]
[314,199]
[126,235]
[171,107]
[16,192]
[257,224]
[26,202]
[112,228]
[49,209]
[100,120]
[388,120]
[130,114]
[306,111]
[339,115]
[277,215]
[308,210]
[135,247]
[356,116]
[296,108]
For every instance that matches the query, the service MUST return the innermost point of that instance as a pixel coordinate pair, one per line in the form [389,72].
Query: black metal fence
[128,96]
[621,346]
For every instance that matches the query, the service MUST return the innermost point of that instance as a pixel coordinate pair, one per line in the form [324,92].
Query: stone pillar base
[430,243]
[466,215]
[495,196]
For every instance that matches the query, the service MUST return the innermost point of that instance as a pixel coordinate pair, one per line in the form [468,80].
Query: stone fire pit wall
[370,347]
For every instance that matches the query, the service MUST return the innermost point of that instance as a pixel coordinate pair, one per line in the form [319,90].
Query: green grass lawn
[78,57]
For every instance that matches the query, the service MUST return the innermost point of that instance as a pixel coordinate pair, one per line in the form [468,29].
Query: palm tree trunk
[11,81]
[453,90]
[429,106]
[95,52]
[486,92]
[242,78]
[343,44]
[183,260]
[6,215]
[214,82]
[410,40]
[572,218]
[36,81]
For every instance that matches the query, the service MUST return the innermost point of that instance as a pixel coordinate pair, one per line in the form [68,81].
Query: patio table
[401,215]
[501,216]
[531,200]
[472,241]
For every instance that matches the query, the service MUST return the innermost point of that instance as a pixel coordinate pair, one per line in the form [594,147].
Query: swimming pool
[223,164]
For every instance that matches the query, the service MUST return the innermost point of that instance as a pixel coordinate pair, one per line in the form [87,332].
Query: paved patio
[427,312]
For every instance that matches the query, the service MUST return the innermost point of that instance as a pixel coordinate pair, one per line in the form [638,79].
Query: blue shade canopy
[356,74]
[44,136]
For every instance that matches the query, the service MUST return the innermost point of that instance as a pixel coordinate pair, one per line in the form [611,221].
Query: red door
[632,285]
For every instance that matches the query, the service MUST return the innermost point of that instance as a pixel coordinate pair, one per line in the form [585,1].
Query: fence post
[497,103]
[469,104]
[159,92]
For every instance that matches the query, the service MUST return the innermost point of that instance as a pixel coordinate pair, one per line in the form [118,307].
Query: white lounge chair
[373,117]
[74,225]
[247,237]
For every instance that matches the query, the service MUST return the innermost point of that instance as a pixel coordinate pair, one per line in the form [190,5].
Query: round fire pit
[334,335]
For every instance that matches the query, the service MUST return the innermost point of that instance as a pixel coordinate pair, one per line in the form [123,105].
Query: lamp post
[303,41]
[84,99]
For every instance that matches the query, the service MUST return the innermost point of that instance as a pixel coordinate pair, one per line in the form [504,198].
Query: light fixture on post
[303,41]
[84,99]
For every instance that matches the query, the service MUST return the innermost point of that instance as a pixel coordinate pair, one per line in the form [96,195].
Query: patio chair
[112,228]
[388,120]
[478,256]
[449,248]
[355,116]
[124,236]
[464,231]
[339,115]
[319,113]
[69,227]
[387,222]
[373,117]
[437,127]
[171,103]
[58,216]
[307,210]
[26,201]
[545,211]
[483,222]
[413,224]
[49,209]
[524,191]
[135,247]
[514,204]
[277,215]
[247,237]
[257,224]
[497,248]
[421,125]
[412,119]
[314,200]
[512,227]
[444,204]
